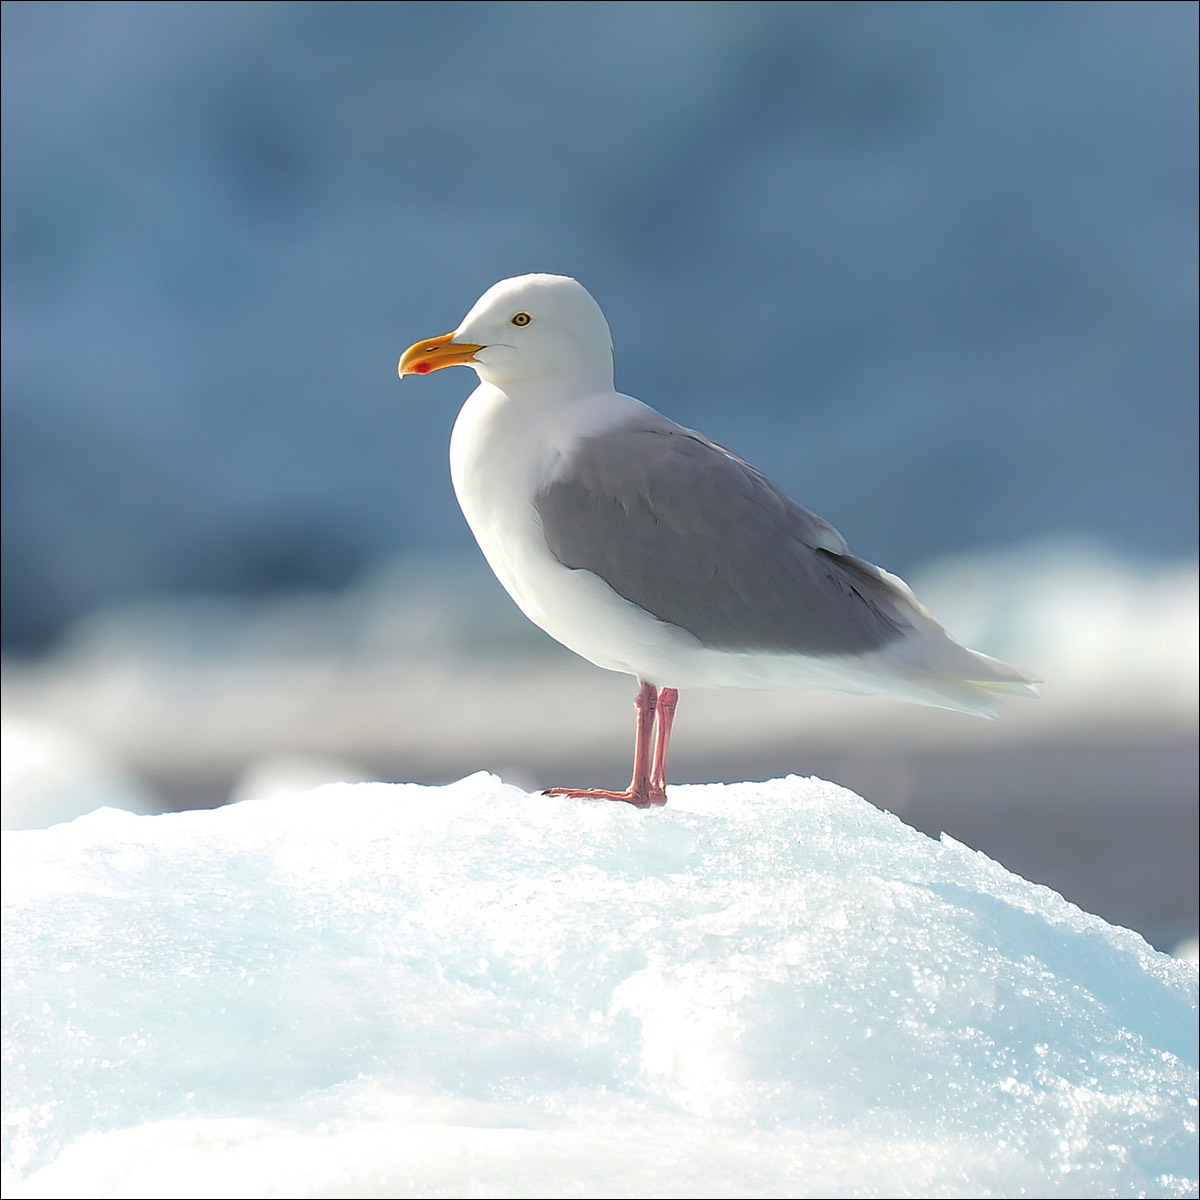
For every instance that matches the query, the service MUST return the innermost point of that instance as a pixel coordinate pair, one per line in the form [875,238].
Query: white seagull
[651,550]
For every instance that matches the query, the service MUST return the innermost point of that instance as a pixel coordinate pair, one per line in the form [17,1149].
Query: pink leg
[642,791]
[668,699]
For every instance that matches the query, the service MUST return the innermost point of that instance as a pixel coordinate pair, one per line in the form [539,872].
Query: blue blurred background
[931,266]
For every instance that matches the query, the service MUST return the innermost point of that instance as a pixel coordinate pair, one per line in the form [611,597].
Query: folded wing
[690,532]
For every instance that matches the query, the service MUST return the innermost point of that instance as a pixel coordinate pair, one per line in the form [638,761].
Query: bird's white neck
[575,377]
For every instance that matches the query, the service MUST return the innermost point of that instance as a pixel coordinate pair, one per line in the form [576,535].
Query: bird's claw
[639,798]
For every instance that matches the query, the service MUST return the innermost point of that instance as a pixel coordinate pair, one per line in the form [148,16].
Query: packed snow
[397,990]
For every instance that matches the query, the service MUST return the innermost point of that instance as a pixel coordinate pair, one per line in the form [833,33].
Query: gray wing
[686,530]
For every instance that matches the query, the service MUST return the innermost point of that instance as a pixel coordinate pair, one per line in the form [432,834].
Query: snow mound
[395,990]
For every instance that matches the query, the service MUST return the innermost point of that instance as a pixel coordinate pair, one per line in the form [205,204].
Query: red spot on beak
[422,368]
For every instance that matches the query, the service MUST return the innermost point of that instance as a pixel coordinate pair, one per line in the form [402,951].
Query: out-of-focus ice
[50,774]
[391,990]
[428,660]
[1108,635]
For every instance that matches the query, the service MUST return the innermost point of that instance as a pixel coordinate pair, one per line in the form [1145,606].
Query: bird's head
[532,328]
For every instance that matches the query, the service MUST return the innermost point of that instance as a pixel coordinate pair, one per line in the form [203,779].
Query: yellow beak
[436,353]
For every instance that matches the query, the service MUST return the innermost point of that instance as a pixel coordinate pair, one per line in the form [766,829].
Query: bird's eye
[521,318]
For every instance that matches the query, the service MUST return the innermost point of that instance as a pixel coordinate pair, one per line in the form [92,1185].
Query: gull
[649,549]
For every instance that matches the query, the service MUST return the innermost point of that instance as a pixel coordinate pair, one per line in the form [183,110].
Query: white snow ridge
[395,990]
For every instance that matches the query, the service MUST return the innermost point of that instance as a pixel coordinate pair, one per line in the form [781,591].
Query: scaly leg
[642,791]
[668,699]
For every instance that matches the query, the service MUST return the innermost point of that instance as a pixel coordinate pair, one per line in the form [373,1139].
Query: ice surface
[392,990]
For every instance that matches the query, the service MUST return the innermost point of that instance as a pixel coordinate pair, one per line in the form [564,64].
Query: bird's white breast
[502,454]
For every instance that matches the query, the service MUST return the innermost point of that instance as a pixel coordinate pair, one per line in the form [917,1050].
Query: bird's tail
[978,685]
